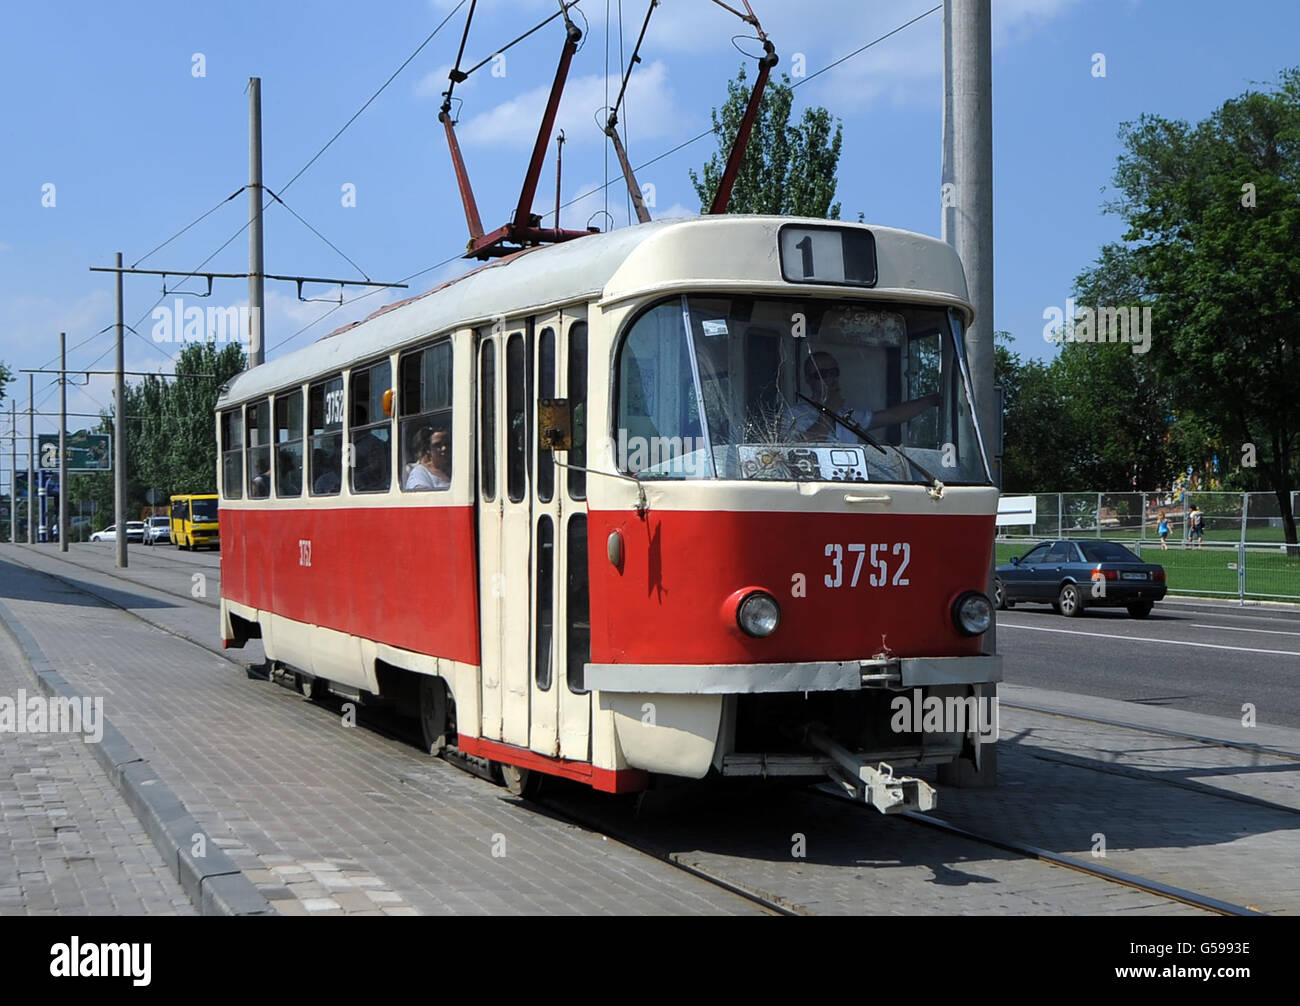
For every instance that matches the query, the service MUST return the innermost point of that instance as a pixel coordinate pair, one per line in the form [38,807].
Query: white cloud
[514,123]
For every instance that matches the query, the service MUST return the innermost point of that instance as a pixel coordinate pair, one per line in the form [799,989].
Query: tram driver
[822,372]
[431,446]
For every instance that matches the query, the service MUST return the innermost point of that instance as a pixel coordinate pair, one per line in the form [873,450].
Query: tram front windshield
[814,390]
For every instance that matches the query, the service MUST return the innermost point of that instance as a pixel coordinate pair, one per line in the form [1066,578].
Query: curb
[213,882]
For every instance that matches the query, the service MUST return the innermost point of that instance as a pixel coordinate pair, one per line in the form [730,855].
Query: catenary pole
[31,460]
[63,441]
[967,225]
[119,430]
[256,279]
[13,468]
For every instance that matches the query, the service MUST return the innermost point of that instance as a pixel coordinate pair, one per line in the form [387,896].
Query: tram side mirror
[554,424]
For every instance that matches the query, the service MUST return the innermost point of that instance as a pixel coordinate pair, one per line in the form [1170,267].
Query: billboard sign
[87,452]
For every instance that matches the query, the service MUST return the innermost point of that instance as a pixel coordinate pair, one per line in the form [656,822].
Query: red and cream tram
[696,496]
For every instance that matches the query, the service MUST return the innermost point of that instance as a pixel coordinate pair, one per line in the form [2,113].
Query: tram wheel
[520,781]
[310,688]
[433,714]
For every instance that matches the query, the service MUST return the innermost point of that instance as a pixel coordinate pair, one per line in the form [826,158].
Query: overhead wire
[627,195]
[646,164]
[197,220]
[364,274]
[301,171]
[709,132]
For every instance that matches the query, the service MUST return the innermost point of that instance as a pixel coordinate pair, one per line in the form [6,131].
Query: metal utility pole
[968,180]
[256,281]
[63,441]
[13,468]
[119,430]
[31,461]
[967,225]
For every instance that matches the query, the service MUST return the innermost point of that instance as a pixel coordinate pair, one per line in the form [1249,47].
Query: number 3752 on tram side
[692,497]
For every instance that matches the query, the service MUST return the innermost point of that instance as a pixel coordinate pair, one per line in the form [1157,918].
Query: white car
[134,532]
[158,529]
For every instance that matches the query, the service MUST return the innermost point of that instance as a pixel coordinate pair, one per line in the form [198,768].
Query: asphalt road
[1202,658]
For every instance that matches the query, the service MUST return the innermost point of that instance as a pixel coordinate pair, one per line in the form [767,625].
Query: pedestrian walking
[1196,525]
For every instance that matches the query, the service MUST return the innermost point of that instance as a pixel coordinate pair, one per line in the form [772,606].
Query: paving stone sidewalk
[323,818]
[69,844]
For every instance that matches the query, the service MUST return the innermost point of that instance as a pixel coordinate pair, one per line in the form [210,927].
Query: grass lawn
[1210,570]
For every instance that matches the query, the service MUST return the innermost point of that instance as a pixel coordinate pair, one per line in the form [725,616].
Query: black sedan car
[1081,573]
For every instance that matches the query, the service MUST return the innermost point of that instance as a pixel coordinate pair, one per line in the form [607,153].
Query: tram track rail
[1173,893]
[1159,731]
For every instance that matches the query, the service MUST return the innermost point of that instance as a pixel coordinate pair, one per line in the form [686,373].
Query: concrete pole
[119,430]
[13,468]
[63,441]
[31,461]
[967,225]
[256,280]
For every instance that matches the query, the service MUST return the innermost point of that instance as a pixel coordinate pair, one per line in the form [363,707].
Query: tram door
[504,531]
[561,708]
[532,544]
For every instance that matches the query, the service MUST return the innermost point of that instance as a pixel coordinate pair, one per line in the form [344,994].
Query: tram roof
[733,251]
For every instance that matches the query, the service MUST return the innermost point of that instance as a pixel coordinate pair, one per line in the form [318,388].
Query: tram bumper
[803,720]
[809,676]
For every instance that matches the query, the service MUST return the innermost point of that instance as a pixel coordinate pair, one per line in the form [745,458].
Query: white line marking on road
[1148,639]
[1234,628]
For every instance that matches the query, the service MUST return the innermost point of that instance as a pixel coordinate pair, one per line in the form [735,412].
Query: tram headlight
[972,613]
[758,614]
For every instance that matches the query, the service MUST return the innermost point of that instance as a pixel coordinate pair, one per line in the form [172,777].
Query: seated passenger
[260,487]
[325,465]
[431,445]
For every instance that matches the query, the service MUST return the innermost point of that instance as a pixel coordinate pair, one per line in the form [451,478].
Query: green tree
[1213,213]
[787,170]
[171,443]
[1035,457]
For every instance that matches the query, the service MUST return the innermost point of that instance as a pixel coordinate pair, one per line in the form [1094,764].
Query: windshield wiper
[844,421]
[867,438]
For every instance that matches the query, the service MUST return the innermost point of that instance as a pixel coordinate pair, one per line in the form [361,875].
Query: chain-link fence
[1241,554]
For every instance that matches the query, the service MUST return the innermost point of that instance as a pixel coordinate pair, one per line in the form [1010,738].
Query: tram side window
[578,605]
[577,395]
[371,430]
[545,389]
[288,444]
[487,389]
[232,454]
[259,449]
[425,381]
[516,418]
[325,416]
[544,617]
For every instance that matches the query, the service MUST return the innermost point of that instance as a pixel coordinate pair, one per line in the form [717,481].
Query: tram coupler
[877,787]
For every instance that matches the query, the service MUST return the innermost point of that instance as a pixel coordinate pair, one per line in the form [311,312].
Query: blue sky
[103,103]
